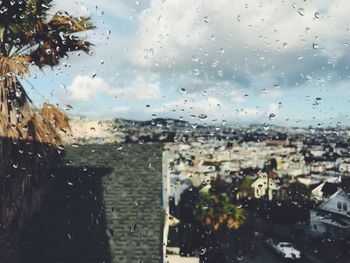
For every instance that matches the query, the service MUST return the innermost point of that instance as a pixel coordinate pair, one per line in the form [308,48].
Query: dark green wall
[104,205]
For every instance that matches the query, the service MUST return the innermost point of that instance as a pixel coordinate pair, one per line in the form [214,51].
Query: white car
[285,249]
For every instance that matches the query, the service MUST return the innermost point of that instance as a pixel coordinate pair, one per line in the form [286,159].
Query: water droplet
[61,147]
[311,129]
[202,251]
[109,233]
[195,58]
[202,116]
[18,93]
[315,45]
[265,126]
[67,107]
[215,64]
[301,11]
[285,45]
[317,15]
[196,72]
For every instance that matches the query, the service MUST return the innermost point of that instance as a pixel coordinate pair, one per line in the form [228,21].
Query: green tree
[217,210]
[217,213]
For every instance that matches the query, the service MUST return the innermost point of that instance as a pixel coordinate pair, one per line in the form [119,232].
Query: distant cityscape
[291,184]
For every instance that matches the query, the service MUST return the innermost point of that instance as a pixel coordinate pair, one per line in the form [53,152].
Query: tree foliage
[217,210]
[27,30]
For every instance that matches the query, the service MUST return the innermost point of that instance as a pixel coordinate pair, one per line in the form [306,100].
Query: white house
[262,185]
[332,216]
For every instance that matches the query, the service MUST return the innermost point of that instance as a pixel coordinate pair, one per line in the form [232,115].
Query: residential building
[332,217]
[265,185]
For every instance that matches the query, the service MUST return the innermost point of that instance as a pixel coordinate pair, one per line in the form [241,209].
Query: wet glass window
[174,131]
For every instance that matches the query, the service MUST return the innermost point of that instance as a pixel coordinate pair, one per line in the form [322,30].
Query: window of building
[345,207]
[339,205]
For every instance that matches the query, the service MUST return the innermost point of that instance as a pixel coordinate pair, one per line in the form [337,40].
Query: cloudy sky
[273,61]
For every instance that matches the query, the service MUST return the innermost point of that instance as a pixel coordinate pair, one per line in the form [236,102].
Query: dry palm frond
[17,120]
[68,24]
[45,129]
[52,51]
[55,117]
[15,65]
[3,126]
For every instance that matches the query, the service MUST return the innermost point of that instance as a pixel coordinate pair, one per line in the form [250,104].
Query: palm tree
[30,36]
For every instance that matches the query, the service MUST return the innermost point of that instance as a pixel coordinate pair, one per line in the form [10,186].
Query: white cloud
[144,87]
[85,88]
[274,92]
[239,39]
[222,51]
